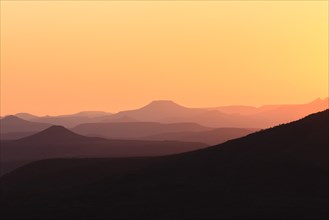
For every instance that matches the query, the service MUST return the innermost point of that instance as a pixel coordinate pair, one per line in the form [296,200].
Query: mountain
[59,142]
[165,111]
[12,123]
[286,113]
[262,117]
[15,135]
[68,120]
[295,110]
[89,114]
[54,134]
[157,111]
[26,116]
[212,137]
[118,119]
[278,173]
[132,130]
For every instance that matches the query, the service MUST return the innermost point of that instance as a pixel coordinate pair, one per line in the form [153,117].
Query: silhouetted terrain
[227,116]
[293,109]
[16,135]
[59,142]
[157,111]
[131,130]
[68,120]
[279,173]
[212,137]
[26,116]
[12,123]
[118,119]
[262,117]
[164,111]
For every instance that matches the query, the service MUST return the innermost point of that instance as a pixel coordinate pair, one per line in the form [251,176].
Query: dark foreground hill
[279,173]
[59,142]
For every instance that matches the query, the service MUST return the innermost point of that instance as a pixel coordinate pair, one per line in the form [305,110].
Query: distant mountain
[59,142]
[278,173]
[212,137]
[12,123]
[157,111]
[132,130]
[16,135]
[118,119]
[89,114]
[26,116]
[164,111]
[286,113]
[262,117]
[295,109]
[226,116]
[55,134]
[67,120]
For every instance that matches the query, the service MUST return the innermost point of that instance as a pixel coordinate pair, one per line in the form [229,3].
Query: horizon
[113,56]
[173,101]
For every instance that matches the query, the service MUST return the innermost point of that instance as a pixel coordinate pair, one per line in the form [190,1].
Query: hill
[266,116]
[158,110]
[166,111]
[279,173]
[212,137]
[12,123]
[59,142]
[131,130]
[72,119]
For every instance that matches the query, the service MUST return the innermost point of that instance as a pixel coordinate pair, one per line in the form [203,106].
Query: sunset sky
[68,56]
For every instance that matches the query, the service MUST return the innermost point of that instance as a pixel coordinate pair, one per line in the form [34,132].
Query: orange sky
[67,56]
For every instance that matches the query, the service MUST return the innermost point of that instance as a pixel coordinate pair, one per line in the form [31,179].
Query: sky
[69,56]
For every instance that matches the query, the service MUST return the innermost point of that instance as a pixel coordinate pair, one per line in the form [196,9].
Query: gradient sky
[69,56]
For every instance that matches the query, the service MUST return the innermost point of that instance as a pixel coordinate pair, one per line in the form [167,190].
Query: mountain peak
[163,103]
[56,128]
[11,118]
[25,116]
[55,133]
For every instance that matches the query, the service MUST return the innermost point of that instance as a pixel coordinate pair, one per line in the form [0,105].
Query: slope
[279,173]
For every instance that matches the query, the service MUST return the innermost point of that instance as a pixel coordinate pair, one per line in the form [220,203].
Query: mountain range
[277,173]
[165,111]
[59,142]
[211,137]
[12,124]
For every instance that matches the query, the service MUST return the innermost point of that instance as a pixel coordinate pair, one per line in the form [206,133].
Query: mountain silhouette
[262,117]
[165,111]
[70,120]
[119,119]
[226,116]
[60,142]
[308,108]
[90,114]
[158,110]
[53,134]
[211,137]
[278,173]
[12,123]
[131,130]
[26,116]
[16,135]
